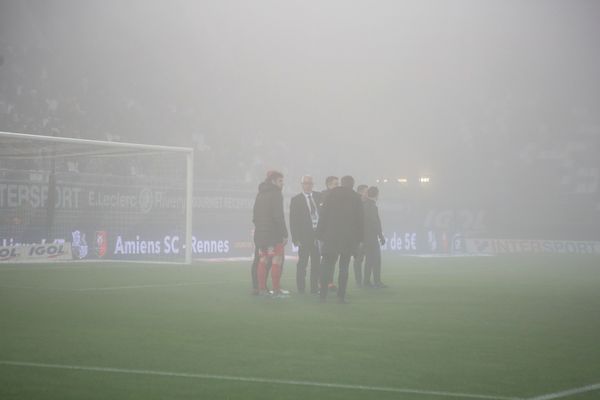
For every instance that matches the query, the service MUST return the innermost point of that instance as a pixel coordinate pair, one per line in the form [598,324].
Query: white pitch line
[567,393]
[108,288]
[90,289]
[255,380]
[91,264]
[101,288]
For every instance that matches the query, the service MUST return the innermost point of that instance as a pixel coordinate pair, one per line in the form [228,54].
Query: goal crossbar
[56,139]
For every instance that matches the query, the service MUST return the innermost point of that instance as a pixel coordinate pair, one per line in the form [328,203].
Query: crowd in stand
[35,100]
[37,97]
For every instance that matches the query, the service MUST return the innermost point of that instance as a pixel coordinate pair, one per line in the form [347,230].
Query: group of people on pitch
[330,226]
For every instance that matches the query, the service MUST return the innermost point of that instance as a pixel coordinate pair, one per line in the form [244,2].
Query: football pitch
[511,327]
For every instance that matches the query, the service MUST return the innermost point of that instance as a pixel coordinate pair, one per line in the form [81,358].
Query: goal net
[85,199]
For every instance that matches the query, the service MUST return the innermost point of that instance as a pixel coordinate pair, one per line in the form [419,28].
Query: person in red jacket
[270,231]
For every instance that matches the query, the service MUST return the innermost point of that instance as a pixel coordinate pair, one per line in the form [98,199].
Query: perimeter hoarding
[144,220]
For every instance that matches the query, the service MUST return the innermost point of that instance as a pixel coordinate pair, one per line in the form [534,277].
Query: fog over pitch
[492,99]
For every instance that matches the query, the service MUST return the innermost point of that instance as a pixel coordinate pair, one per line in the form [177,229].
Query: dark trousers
[329,261]
[359,258]
[330,281]
[306,251]
[372,263]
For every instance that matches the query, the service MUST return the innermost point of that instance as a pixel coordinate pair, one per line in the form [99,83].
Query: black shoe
[380,286]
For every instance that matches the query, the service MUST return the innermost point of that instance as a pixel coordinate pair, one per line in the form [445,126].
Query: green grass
[498,326]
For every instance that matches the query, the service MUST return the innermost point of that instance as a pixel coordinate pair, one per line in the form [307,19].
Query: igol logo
[47,250]
[145,200]
[7,253]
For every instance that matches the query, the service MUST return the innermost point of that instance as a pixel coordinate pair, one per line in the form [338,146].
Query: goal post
[105,200]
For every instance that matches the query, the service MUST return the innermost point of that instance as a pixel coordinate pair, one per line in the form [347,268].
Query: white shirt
[315,217]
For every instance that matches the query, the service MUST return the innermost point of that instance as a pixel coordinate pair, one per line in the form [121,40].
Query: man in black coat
[359,254]
[373,239]
[331,182]
[270,232]
[304,217]
[341,229]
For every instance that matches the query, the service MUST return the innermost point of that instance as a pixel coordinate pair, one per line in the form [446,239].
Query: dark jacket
[300,221]
[268,218]
[341,222]
[323,196]
[373,229]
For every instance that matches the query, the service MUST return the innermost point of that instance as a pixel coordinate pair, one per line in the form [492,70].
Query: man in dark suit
[304,217]
[373,239]
[359,254]
[340,228]
[331,182]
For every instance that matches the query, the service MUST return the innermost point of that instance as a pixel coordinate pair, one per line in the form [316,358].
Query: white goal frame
[188,152]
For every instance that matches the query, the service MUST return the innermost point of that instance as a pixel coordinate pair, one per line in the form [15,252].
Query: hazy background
[497,101]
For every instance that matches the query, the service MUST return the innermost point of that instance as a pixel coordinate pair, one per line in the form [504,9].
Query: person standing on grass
[270,232]
[359,254]
[341,225]
[331,182]
[304,217]
[373,240]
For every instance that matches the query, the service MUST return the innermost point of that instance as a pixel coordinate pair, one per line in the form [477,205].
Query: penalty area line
[254,380]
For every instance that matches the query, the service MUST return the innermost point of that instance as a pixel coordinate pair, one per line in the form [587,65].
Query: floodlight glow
[385,181]
[402,180]
[424,179]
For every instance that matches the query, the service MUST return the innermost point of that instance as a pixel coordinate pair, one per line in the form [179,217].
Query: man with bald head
[304,218]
